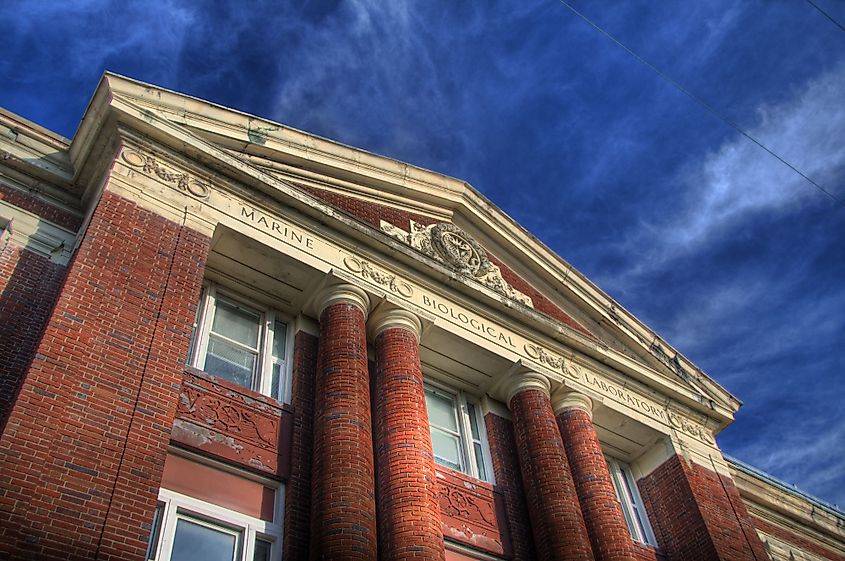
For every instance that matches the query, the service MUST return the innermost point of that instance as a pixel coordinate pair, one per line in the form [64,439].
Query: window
[241,342]
[632,503]
[457,432]
[188,529]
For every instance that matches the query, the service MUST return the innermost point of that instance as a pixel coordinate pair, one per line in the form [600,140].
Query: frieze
[392,282]
[457,250]
[183,181]
[472,323]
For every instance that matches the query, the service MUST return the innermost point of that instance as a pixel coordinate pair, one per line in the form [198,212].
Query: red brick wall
[84,447]
[796,540]
[343,508]
[40,208]
[297,529]
[556,520]
[698,515]
[373,213]
[502,442]
[408,509]
[29,286]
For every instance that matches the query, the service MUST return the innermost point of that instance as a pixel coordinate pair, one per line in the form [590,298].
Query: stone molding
[566,399]
[457,250]
[525,381]
[343,293]
[388,317]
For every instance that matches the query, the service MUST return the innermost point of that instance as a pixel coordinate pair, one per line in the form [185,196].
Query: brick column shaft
[343,500]
[556,520]
[409,513]
[603,515]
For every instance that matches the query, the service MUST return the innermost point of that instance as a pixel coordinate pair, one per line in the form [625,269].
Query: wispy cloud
[739,179]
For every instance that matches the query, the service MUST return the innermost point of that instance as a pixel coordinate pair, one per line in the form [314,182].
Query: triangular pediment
[440,219]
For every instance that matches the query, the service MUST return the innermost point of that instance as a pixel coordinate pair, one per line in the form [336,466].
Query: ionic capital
[565,399]
[388,317]
[519,382]
[343,293]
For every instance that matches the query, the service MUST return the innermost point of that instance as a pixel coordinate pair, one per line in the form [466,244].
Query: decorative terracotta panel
[233,423]
[472,512]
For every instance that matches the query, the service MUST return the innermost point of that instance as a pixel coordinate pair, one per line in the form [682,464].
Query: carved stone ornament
[183,181]
[457,250]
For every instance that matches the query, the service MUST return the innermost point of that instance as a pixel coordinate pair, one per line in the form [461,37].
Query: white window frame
[466,441]
[629,497]
[262,379]
[176,506]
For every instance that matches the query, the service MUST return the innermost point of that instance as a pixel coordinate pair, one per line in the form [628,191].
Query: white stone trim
[346,293]
[563,400]
[526,381]
[388,317]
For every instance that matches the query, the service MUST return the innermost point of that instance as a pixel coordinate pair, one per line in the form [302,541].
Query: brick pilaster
[408,510]
[297,519]
[343,509]
[603,515]
[82,455]
[699,514]
[556,519]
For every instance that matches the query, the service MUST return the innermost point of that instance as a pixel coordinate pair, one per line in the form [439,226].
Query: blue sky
[725,252]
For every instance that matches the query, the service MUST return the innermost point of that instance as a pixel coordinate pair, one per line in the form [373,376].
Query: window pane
[447,450]
[275,380]
[279,337]
[479,461]
[230,362]
[441,411]
[198,542]
[236,323]
[473,421]
[262,550]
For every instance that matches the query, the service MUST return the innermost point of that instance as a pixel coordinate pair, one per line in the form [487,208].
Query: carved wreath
[458,250]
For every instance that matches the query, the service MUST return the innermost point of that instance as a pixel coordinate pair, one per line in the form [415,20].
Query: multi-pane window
[188,529]
[632,503]
[457,432]
[241,342]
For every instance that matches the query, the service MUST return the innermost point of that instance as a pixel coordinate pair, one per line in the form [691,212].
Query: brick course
[343,509]
[40,207]
[556,520]
[84,484]
[408,509]
[609,535]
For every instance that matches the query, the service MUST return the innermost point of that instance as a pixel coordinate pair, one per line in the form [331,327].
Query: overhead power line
[701,102]
[825,14]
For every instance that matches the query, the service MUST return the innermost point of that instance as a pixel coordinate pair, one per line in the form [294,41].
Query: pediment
[439,218]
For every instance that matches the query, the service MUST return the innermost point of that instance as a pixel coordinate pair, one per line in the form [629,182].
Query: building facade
[222,338]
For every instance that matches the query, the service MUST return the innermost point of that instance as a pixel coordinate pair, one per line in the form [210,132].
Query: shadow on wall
[30,284]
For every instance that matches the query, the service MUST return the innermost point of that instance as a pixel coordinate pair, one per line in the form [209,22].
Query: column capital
[527,380]
[388,316]
[565,398]
[343,293]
